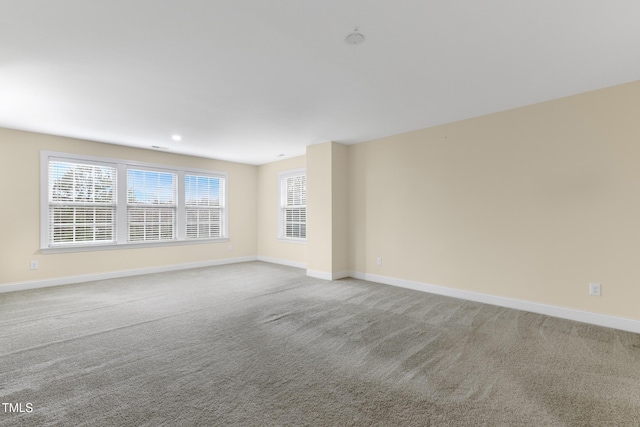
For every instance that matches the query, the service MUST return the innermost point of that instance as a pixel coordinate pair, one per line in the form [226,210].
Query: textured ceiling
[246,80]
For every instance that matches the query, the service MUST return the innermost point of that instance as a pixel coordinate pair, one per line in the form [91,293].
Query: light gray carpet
[261,344]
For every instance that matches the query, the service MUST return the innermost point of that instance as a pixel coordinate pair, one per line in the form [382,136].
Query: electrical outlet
[379,261]
[230,248]
[33,265]
[594,289]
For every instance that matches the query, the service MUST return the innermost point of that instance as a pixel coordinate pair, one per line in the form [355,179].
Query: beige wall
[532,203]
[269,246]
[319,216]
[20,165]
[356,208]
[339,208]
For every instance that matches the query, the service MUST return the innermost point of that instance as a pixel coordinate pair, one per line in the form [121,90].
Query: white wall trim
[319,274]
[21,286]
[340,275]
[282,261]
[534,307]
[328,276]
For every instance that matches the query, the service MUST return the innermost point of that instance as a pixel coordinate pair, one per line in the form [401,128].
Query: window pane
[150,224]
[77,182]
[203,190]
[151,187]
[204,223]
[296,190]
[79,224]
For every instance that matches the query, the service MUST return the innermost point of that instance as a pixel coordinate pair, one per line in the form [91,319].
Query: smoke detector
[355,37]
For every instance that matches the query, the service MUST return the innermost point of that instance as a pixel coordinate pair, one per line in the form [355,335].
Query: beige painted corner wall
[532,203]
[327,196]
[339,209]
[20,165]
[319,209]
[269,246]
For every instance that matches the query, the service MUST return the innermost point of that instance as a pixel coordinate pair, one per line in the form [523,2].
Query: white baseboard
[340,275]
[319,274]
[549,310]
[21,286]
[327,276]
[282,261]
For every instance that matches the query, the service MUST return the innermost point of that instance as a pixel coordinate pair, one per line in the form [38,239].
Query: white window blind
[82,203]
[293,201]
[151,205]
[204,203]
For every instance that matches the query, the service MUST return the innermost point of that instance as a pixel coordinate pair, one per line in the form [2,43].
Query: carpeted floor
[263,345]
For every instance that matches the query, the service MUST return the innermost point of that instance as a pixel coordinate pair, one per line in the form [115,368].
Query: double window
[292,218]
[90,201]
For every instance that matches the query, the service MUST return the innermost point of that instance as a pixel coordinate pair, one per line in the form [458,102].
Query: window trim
[283,175]
[121,238]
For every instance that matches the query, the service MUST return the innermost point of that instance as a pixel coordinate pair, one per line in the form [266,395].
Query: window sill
[292,240]
[115,246]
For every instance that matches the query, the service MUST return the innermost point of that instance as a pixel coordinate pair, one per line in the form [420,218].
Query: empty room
[302,213]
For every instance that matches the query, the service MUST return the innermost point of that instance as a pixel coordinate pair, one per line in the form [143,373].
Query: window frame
[282,177]
[121,240]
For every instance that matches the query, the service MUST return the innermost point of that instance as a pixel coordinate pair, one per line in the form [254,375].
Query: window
[90,201]
[292,218]
[151,205]
[81,203]
[204,197]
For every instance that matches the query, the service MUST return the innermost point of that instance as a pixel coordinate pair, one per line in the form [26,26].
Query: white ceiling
[246,80]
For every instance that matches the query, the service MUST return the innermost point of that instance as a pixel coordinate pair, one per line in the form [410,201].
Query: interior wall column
[327,210]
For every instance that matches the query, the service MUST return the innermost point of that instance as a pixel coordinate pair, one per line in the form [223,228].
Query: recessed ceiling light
[176,137]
